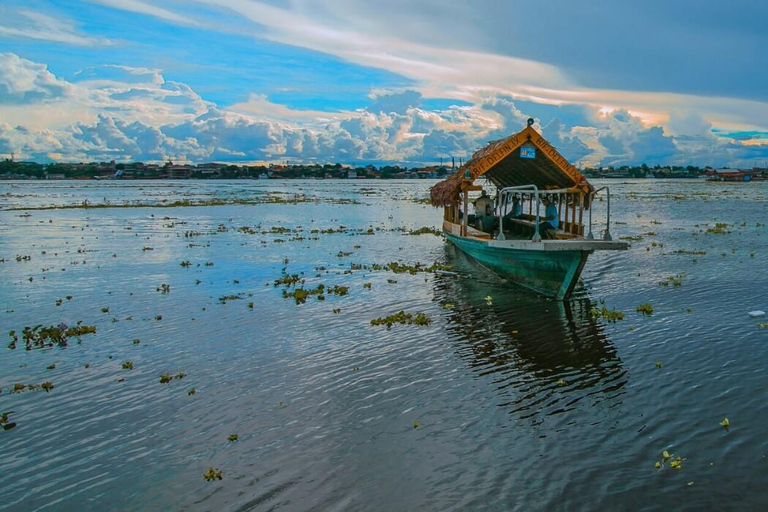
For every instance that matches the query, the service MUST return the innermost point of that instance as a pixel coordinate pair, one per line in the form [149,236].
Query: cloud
[135,113]
[28,24]
[397,103]
[147,8]
[23,81]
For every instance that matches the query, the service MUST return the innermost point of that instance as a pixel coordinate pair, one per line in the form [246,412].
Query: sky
[406,82]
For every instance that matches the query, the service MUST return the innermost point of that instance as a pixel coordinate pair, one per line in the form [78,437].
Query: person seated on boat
[517,208]
[551,220]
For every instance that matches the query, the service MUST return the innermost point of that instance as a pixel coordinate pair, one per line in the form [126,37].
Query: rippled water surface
[508,403]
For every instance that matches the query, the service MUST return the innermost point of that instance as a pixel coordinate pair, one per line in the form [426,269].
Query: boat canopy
[525,158]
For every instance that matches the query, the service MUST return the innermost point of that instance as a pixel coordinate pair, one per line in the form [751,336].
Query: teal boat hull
[550,273]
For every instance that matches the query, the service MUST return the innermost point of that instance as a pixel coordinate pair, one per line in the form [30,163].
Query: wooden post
[563,218]
[466,213]
[581,215]
[574,227]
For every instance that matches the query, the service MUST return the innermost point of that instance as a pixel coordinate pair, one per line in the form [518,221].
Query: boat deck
[524,243]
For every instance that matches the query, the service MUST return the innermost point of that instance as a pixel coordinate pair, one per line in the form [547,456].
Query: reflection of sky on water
[495,427]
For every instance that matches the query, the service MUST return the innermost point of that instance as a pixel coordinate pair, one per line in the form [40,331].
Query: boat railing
[607,234]
[503,195]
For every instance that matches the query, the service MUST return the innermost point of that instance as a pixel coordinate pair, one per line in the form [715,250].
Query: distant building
[727,174]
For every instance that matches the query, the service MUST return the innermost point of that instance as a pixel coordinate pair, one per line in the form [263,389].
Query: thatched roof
[501,162]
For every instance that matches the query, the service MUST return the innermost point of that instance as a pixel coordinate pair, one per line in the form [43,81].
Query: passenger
[550,220]
[517,208]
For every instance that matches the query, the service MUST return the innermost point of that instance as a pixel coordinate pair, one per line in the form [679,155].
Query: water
[520,404]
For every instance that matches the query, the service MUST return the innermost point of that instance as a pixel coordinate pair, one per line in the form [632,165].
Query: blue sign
[527,152]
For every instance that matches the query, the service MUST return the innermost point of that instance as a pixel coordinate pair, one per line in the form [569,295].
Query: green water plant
[675,280]
[213,474]
[610,315]
[725,423]
[232,437]
[425,231]
[645,309]
[128,365]
[167,377]
[43,337]
[338,290]
[672,461]
[401,317]
[5,420]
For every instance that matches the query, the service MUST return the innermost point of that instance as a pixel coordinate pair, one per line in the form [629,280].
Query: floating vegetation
[673,462]
[762,325]
[561,382]
[191,392]
[401,317]
[163,288]
[300,294]
[675,280]
[448,305]
[425,231]
[5,421]
[42,337]
[51,367]
[635,238]
[645,309]
[338,290]
[725,423]
[167,377]
[693,253]
[213,474]
[401,268]
[610,315]
[336,311]
[719,229]
[342,254]
[232,437]
[158,317]
[288,280]
[367,286]
[105,310]
[47,386]
[186,263]
[489,300]
[128,365]
[416,424]
[227,298]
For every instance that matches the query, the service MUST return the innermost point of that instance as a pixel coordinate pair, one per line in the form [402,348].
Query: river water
[512,402]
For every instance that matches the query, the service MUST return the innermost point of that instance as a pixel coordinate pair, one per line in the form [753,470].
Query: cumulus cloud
[23,81]
[125,113]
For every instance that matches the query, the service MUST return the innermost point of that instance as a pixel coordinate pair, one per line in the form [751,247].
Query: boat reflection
[544,356]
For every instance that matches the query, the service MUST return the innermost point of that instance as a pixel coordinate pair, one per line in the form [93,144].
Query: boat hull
[549,273]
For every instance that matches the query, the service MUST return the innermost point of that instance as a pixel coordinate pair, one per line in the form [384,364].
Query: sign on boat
[532,231]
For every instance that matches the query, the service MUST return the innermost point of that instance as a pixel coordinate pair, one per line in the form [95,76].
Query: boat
[512,240]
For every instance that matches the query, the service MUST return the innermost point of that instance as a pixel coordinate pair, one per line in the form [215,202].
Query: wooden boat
[510,242]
